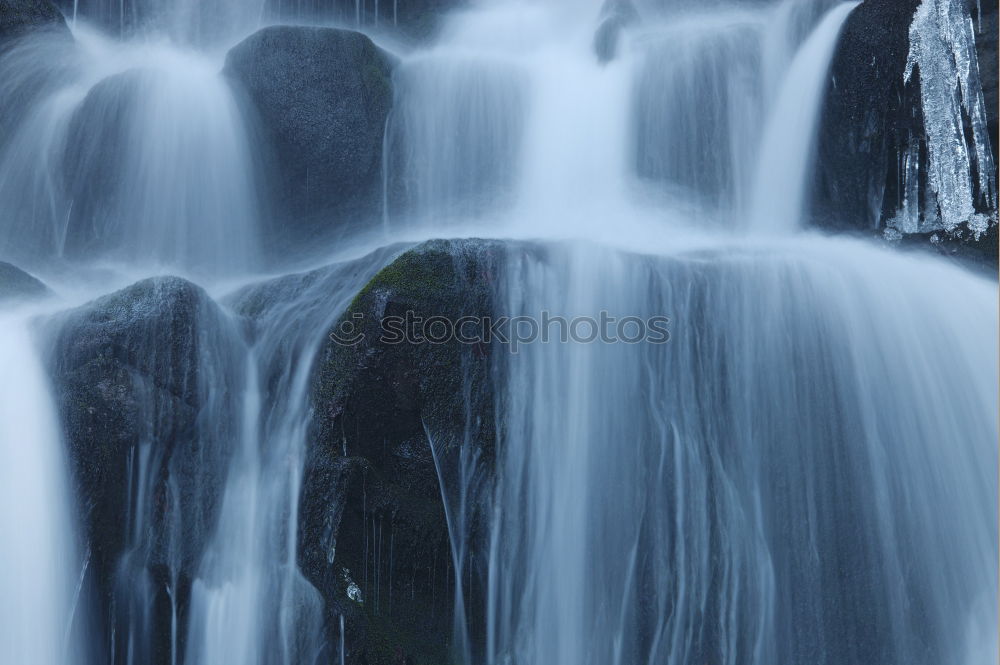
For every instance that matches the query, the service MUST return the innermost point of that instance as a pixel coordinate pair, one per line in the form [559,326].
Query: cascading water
[787,145]
[780,482]
[38,550]
[138,155]
[804,472]
[250,603]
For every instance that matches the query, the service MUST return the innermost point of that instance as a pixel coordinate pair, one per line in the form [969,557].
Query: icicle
[908,218]
[392,541]
[343,660]
[942,46]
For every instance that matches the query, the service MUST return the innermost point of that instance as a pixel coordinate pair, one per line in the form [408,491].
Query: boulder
[19,17]
[142,379]
[15,284]
[373,531]
[321,96]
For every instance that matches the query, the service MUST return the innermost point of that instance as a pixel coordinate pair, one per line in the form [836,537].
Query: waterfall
[140,155]
[250,604]
[38,551]
[789,139]
[749,490]
[803,470]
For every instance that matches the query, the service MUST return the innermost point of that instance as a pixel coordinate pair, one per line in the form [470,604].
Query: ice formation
[942,48]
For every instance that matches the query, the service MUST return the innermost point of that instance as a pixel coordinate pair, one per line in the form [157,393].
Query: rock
[322,96]
[19,17]
[616,15]
[371,480]
[15,284]
[135,375]
[867,117]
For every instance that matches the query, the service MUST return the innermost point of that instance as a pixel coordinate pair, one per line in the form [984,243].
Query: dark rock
[616,15]
[322,96]
[15,284]
[868,117]
[371,479]
[977,254]
[19,17]
[133,373]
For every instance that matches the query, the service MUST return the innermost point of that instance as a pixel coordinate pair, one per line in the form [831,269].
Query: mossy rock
[372,482]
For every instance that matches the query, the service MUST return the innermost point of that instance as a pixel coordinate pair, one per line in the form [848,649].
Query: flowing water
[806,472]
[40,567]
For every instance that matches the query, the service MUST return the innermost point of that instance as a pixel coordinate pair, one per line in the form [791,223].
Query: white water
[785,162]
[139,155]
[749,491]
[38,549]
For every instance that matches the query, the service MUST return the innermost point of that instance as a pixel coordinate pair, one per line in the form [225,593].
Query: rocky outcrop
[321,96]
[15,285]
[373,532]
[20,17]
[873,119]
[132,372]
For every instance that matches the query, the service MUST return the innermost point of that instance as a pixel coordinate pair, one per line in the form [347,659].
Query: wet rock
[20,17]
[321,96]
[868,116]
[133,373]
[15,284]
[372,494]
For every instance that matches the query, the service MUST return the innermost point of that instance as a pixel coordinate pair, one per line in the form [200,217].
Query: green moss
[416,275]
